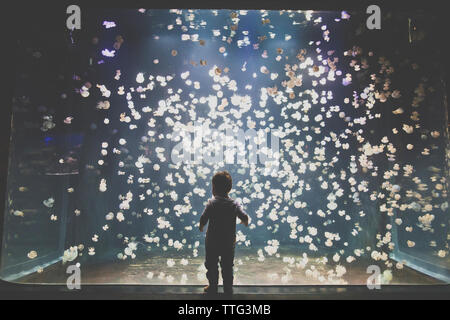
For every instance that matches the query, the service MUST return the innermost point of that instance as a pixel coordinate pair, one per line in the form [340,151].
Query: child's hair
[222,182]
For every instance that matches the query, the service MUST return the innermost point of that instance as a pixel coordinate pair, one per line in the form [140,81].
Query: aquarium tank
[338,149]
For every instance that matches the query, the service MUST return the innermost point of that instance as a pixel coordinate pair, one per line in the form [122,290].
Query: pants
[226,254]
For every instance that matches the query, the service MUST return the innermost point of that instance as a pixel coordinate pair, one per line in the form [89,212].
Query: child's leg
[211,261]
[226,264]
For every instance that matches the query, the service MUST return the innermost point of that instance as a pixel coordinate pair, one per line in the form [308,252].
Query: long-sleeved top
[220,213]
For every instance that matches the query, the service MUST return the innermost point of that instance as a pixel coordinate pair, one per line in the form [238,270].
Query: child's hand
[245,223]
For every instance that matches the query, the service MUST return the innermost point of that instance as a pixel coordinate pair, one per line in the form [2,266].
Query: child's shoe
[228,292]
[210,290]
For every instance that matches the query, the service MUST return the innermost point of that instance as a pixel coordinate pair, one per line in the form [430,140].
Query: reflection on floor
[155,270]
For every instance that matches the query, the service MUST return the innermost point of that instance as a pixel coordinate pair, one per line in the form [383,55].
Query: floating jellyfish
[435,134]
[18,213]
[442,253]
[109,24]
[140,77]
[108,53]
[68,120]
[49,202]
[48,123]
[70,254]
[102,186]
[398,111]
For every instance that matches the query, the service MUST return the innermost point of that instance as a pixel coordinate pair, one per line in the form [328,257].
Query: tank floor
[251,272]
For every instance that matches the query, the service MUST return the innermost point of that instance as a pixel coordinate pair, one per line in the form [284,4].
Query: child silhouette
[221,212]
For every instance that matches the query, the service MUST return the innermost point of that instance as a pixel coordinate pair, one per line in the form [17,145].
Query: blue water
[341,190]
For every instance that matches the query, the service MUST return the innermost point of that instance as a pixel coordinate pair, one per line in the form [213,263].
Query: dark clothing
[220,214]
[213,252]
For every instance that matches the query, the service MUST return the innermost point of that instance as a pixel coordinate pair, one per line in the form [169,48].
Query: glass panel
[343,165]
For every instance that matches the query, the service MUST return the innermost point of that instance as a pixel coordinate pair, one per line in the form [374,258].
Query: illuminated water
[359,176]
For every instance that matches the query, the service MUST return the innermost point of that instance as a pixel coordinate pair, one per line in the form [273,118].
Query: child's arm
[242,215]
[205,216]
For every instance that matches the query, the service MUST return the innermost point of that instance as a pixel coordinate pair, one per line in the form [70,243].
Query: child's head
[221,183]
